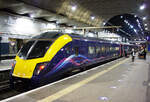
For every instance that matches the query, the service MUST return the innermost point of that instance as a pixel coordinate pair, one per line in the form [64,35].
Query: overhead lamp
[31,15]
[131,26]
[92,17]
[22,23]
[135,30]
[104,23]
[121,16]
[135,16]
[146,28]
[142,7]
[74,27]
[145,24]
[144,18]
[74,8]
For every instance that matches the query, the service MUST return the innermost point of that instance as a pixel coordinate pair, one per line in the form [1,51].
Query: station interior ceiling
[80,13]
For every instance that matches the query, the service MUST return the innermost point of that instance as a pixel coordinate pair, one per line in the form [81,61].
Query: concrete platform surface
[6,64]
[117,81]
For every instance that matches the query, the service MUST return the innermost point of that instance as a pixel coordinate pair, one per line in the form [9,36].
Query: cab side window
[76,49]
[68,49]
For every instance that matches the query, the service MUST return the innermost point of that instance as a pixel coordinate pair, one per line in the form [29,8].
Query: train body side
[77,55]
[64,55]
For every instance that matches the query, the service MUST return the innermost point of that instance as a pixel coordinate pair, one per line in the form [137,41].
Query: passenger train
[53,54]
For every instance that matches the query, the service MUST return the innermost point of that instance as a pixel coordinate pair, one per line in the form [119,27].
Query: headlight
[39,67]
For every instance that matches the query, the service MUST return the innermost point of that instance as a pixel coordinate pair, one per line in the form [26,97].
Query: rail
[4,75]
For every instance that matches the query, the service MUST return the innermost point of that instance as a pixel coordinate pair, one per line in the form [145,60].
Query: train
[52,54]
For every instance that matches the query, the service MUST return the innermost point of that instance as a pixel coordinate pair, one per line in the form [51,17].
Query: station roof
[75,12]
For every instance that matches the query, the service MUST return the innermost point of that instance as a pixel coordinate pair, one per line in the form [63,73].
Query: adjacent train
[52,54]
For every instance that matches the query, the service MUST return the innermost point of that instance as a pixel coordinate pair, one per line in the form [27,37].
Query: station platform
[117,81]
[6,64]
[7,56]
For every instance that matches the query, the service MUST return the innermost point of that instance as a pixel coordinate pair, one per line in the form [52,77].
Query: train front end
[34,59]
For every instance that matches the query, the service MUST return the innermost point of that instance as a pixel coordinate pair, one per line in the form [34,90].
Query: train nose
[24,68]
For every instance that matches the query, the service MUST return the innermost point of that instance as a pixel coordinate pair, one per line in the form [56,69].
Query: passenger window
[117,48]
[98,50]
[91,50]
[103,49]
[110,49]
[68,49]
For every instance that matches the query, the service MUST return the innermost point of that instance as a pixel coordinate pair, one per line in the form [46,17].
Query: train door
[121,50]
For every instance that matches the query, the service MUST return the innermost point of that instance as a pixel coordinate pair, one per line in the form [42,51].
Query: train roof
[55,35]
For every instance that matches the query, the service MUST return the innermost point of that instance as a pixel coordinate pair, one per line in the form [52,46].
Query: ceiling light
[31,15]
[145,24]
[146,28]
[57,22]
[22,23]
[131,26]
[74,8]
[135,30]
[144,18]
[92,17]
[142,7]
[104,23]
[121,16]
[135,15]
[74,27]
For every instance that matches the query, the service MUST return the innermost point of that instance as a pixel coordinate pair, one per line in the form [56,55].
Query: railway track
[4,75]
[4,79]
[4,85]
[5,90]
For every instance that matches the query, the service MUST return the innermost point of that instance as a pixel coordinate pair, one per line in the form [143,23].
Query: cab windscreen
[34,49]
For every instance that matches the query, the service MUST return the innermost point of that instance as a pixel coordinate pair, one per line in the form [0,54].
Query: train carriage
[49,55]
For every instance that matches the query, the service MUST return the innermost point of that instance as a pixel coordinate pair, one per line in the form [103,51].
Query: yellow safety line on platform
[77,85]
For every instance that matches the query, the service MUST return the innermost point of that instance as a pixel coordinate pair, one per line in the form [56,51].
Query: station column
[0,48]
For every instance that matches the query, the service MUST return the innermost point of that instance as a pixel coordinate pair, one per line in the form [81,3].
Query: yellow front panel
[25,68]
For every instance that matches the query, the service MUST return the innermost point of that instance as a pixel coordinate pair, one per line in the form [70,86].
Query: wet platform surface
[117,81]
